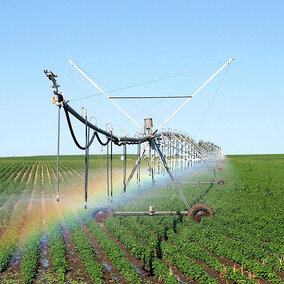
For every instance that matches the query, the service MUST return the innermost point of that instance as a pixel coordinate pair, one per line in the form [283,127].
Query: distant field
[43,241]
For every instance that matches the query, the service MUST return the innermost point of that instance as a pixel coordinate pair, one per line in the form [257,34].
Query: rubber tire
[221,181]
[102,213]
[219,169]
[200,210]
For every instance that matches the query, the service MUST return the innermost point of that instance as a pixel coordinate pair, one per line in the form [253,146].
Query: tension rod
[170,174]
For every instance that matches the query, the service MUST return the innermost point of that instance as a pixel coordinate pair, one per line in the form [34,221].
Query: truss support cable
[171,176]
[58,145]
[86,163]
[195,93]
[112,101]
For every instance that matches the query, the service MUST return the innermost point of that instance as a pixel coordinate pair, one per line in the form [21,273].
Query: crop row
[140,251]
[166,251]
[221,246]
[114,253]
[10,239]
[57,251]
[222,249]
[85,250]
[181,242]
[235,231]
[30,257]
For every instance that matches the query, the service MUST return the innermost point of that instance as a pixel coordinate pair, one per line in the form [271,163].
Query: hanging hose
[100,141]
[73,135]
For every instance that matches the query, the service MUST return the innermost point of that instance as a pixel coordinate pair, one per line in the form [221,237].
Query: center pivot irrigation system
[165,151]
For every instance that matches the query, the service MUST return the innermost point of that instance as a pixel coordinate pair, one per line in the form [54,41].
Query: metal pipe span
[141,213]
[107,134]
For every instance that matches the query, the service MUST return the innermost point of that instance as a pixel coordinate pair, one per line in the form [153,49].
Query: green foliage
[85,250]
[114,253]
[248,228]
[30,257]
[57,251]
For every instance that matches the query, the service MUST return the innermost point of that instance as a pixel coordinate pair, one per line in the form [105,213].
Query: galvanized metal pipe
[147,213]
[58,144]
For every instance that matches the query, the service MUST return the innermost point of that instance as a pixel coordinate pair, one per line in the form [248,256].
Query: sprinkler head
[57,198]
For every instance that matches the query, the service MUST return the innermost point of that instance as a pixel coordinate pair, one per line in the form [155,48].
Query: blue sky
[126,42]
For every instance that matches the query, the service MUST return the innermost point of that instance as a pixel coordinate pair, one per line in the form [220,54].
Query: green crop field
[42,241]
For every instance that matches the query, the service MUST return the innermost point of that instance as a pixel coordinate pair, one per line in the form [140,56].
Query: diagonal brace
[170,174]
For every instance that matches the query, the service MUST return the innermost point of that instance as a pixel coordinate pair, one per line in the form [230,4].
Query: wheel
[219,169]
[221,181]
[200,210]
[102,213]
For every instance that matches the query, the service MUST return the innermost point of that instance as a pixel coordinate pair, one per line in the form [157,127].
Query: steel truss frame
[165,146]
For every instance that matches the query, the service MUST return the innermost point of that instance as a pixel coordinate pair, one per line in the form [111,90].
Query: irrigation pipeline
[201,147]
[161,145]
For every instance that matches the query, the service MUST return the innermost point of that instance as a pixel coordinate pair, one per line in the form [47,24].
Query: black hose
[73,135]
[100,141]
